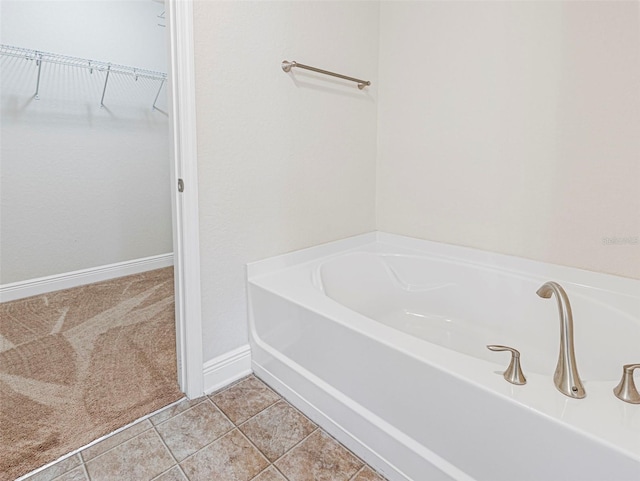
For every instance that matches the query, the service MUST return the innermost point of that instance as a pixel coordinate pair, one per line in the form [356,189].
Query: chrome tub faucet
[566,377]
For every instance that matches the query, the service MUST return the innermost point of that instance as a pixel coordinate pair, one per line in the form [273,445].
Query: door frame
[184,205]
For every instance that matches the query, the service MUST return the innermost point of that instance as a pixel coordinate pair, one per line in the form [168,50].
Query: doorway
[59,104]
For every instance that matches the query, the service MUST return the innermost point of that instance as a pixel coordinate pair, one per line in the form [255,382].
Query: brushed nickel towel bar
[287,66]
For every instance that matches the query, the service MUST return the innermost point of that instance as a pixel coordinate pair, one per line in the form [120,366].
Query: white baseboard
[67,280]
[223,370]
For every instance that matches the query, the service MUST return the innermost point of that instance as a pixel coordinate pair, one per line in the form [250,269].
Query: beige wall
[513,127]
[506,126]
[285,161]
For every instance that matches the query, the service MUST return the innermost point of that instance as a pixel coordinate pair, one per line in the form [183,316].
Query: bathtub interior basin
[464,307]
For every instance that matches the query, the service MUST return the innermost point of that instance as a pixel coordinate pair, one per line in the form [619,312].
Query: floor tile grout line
[240,381]
[179,413]
[300,412]
[269,407]
[183,473]
[229,386]
[258,413]
[281,473]
[261,411]
[197,451]
[161,441]
[167,470]
[166,447]
[84,468]
[237,425]
[257,475]
[210,443]
[264,382]
[315,427]
[163,473]
[164,443]
[349,450]
[225,416]
[358,472]
[280,398]
[140,421]
[171,453]
[271,465]
[318,428]
[254,444]
[28,476]
[127,426]
[269,387]
[67,472]
[114,447]
[257,448]
[295,445]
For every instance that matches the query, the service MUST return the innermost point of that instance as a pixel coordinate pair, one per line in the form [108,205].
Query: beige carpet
[78,364]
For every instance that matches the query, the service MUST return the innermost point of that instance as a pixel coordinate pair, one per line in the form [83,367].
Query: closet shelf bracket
[39,64]
[157,95]
[104,90]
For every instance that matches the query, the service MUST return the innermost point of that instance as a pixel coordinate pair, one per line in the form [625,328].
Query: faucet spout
[566,377]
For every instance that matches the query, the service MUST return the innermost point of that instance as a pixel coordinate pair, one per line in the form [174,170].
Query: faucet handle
[626,390]
[513,374]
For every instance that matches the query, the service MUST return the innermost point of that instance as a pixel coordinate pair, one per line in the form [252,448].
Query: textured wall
[82,186]
[284,161]
[513,127]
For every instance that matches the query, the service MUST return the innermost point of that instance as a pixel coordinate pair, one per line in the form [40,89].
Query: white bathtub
[381,340]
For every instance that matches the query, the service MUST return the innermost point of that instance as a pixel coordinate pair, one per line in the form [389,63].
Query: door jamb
[185,204]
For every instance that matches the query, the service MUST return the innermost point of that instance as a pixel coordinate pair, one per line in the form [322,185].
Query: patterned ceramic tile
[367,474]
[140,458]
[277,429]
[174,474]
[269,474]
[193,429]
[114,440]
[245,399]
[76,474]
[57,469]
[168,413]
[230,458]
[319,458]
[201,436]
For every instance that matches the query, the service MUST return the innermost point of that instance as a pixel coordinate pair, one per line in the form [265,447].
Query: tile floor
[245,432]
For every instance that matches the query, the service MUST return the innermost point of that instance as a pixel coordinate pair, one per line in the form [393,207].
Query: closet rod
[40,56]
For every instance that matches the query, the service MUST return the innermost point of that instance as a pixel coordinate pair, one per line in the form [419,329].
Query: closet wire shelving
[40,57]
